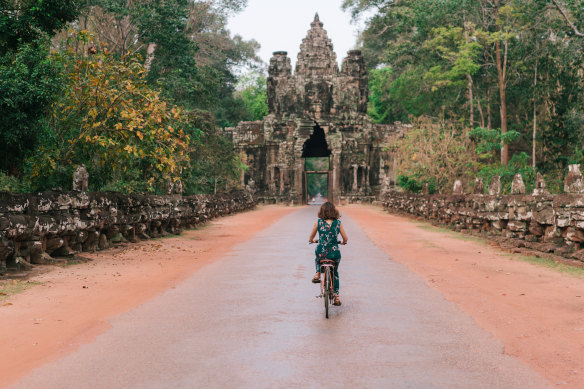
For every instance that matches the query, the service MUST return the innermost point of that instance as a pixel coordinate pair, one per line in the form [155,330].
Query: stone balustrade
[36,228]
[540,221]
[547,223]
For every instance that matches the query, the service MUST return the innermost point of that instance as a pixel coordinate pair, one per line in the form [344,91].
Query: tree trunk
[534,117]
[501,70]
[489,120]
[470,100]
[503,97]
[149,56]
[480,109]
[469,78]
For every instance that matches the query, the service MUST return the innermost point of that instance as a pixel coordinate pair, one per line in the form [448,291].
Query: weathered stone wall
[34,228]
[545,223]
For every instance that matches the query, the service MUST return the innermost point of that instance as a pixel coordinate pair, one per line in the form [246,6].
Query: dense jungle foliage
[137,91]
[491,87]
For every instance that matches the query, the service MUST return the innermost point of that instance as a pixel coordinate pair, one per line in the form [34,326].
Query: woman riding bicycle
[328,227]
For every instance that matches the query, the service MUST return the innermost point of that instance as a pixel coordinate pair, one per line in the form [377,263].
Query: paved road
[251,320]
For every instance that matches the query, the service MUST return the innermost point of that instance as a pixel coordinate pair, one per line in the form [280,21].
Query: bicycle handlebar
[316,241]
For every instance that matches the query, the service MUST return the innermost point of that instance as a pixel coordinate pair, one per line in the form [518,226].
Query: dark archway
[316,154]
[316,145]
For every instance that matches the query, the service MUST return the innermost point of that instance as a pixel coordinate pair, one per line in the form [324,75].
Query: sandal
[316,279]
[337,301]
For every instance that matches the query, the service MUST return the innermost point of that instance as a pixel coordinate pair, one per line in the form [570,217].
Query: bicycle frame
[327,284]
[327,265]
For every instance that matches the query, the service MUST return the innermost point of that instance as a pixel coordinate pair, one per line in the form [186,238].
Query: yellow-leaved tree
[113,122]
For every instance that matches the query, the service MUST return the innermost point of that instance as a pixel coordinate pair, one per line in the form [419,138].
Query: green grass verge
[574,271]
[167,236]
[10,288]
[71,262]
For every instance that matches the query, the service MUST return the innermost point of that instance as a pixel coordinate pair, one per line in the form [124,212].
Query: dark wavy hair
[328,211]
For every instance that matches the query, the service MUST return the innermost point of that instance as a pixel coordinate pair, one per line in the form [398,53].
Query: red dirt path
[537,313]
[72,305]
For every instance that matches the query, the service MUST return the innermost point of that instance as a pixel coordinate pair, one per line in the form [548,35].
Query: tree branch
[383,31]
[572,26]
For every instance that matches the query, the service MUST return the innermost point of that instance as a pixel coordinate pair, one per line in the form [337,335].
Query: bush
[415,184]
[433,152]
[519,163]
[11,184]
[29,84]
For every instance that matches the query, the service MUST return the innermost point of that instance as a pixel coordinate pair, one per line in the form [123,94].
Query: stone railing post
[495,186]
[573,181]
[425,189]
[517,186]
[540,186]
[81,179]
[457,189]
[479,187]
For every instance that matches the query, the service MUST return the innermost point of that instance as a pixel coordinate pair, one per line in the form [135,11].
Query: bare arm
[344,235]
[313,233]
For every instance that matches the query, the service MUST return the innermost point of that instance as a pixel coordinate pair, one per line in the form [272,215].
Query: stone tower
[318,111]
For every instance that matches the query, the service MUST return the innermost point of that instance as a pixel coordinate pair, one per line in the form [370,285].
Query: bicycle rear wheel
[327,288]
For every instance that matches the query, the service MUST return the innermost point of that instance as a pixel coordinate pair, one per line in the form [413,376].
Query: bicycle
[327,284]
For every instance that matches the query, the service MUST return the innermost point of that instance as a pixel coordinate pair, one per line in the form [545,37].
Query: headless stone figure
[81,179]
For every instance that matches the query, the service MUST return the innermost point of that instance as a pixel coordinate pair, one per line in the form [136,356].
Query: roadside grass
[71,262]
[169,236]
[559,267]
[574,271]
[203,226]
[11,287]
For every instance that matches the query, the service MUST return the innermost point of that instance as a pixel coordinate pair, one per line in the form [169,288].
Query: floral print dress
[328,247]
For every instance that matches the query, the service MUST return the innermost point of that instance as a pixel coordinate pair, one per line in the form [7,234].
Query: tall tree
[24,21]
[29,80]
[529,68]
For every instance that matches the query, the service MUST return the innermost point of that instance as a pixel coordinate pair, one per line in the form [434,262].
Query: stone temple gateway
[317,140]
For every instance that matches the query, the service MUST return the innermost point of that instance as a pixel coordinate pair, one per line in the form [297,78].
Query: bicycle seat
[327,261]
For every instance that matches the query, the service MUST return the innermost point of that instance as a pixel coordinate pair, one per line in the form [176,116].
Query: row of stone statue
[573,183]
[81,182]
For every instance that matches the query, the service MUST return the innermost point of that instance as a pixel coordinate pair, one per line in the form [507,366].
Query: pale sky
[280,25]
